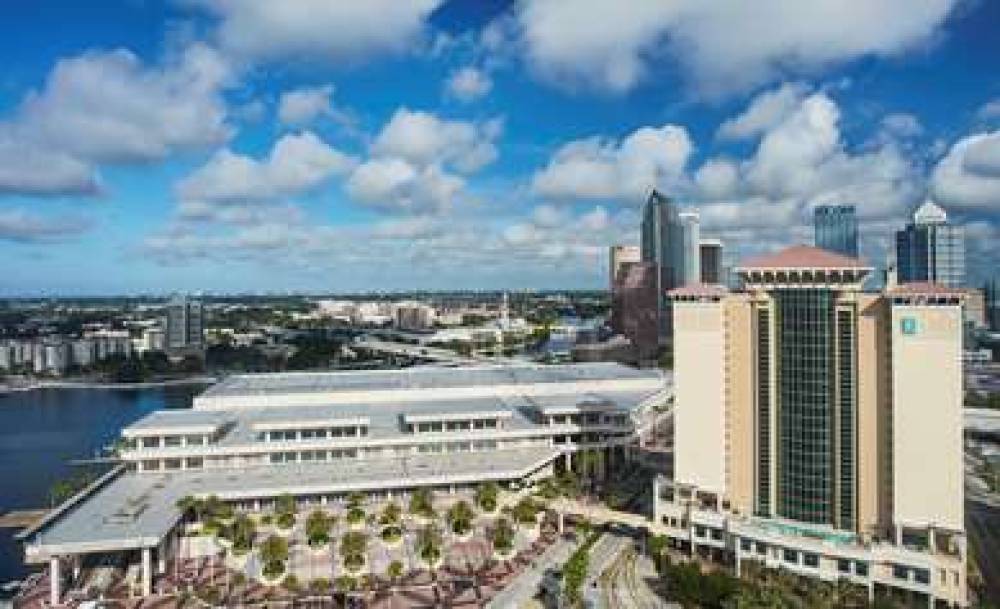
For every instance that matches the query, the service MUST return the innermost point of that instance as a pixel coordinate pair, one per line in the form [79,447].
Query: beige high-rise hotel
[818,426]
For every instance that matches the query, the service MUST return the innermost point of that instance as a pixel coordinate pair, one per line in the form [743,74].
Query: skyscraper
[931,249]
[666,242]
[818,427]
[690,251]
[711,261]
[185,321]
[836,229]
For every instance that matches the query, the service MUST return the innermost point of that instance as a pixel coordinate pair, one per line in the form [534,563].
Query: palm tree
[486,496]
[428,545]
[274,553]
[391,514]
[318,528]
[503,536]
[422,503]
[352,549]
[460,517]
[189,506]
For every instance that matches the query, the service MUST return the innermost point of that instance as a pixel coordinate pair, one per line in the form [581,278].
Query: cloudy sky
[321,145]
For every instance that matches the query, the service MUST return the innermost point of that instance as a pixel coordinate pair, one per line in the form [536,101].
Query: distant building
[931,249]
[618,256]
[414,316]
[710,252]
[836,229]
[818,427]
[185,324]
[154,339]
[992,304]
[663,238]
[691,226]
[83,352]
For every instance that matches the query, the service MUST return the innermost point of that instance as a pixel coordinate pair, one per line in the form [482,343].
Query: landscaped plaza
[421,549]
[308,483]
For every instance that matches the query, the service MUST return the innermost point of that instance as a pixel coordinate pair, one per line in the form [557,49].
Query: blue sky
[238,146]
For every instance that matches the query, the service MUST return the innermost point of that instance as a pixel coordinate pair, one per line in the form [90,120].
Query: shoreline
[55,384]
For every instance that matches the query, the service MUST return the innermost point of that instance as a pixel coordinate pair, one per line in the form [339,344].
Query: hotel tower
[818,427]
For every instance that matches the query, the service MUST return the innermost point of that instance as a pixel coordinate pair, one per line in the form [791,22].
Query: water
[40,431]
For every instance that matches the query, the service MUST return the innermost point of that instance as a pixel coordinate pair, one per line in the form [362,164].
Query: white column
[55,581]
[147,572]
[161,557]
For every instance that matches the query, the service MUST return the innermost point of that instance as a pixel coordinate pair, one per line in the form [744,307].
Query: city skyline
[154,148]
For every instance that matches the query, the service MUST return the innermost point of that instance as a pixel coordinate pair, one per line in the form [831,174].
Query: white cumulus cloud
[317,29]
[296,164]
[723,46]
[968,176]
[302,106]
[468,84]
[423,138]
[601,168]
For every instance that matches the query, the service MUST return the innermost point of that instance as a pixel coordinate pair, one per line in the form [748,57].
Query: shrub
[355,515]
[486,496]
[318,528]
[291,583]
[286,520]
[460,517]
[320,585]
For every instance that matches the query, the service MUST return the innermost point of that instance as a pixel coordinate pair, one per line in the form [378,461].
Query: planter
[463,537]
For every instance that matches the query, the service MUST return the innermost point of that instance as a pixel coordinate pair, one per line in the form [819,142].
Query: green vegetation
[318,528]
[428,544]
[395,570]
[503,536]
[274,553]
[526,511]
[346,583]
[285,508]
[486,496]
[460,517]
[291,583]
[353,547]
[975,399]
[241,533]
[575,571]
[320,585]
[64,489]
[422,503]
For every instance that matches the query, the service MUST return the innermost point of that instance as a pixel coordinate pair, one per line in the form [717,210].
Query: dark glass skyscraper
[931,249]
[836,229]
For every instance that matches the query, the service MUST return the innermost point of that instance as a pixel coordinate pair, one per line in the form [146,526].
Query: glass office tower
[931,249]
[836,229]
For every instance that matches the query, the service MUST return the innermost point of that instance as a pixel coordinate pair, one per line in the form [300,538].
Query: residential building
[635,309]
[835,229]
[931,249]
[321,436]
[818,428]
[710,253]
[618,257]
[185,325]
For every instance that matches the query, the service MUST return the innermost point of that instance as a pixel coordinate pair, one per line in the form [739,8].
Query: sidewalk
[527,583]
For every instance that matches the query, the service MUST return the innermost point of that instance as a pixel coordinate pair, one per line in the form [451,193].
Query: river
[42,430]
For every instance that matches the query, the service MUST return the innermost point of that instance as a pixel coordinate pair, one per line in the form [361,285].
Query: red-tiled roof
[699,289]
[925,287]
[802,257]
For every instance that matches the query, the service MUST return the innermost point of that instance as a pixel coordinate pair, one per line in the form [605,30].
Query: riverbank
[35,385]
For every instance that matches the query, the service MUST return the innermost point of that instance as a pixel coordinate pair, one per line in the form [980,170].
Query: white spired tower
[505,312]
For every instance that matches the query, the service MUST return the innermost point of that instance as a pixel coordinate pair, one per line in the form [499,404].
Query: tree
[353,547]
[486,496]
[285,504]
[428,544]
[391,514]
[274,553]
[189,506]
[395,570]
[422,503]
[242,534]
[525,511]
[503,536]
[460,517]
[318,528]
